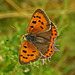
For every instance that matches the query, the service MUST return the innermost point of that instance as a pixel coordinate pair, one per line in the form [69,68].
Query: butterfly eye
[23,37]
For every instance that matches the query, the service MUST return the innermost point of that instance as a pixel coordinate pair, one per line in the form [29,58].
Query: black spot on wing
[39,21]
[20,55]
[39,17]
[31,26]
[42,23]
[25,46]
[51,51]
[41,27]
[24,51]
[55,34]
[25,57]
[33,51]
[34,16]
[54,30]
[32,54]
[28,55]
[34,22]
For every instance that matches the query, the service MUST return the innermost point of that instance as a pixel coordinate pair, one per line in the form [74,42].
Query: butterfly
[39,40]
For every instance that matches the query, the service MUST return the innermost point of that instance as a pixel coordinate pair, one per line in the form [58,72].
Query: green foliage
[62,62]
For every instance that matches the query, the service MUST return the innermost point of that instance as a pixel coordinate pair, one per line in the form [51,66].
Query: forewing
[39,22]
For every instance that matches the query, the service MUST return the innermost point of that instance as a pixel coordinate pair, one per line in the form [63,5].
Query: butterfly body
[29,37]
[39,40]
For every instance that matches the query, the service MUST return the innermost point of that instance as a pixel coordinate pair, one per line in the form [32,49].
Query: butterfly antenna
[15,29]
[57,40]
[56,49]
[56,45]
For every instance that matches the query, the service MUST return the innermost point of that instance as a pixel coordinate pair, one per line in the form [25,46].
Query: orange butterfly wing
[38,23]
[28,53]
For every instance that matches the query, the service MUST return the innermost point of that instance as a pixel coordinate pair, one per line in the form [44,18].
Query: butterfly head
[24,36]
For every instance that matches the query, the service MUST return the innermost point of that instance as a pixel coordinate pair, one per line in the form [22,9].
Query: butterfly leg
[43,61]
[46,59]
[43,57]
[56,45]
[56,49]
[57,40]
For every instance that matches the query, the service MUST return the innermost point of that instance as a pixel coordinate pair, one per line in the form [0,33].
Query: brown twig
[14,14]
[14,5]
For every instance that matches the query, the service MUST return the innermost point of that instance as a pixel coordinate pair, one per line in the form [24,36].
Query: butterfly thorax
[29,37]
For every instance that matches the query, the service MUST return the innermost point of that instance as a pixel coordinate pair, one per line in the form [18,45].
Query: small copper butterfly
[39,40]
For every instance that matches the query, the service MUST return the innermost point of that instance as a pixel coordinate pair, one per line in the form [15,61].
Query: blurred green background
[18,13]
